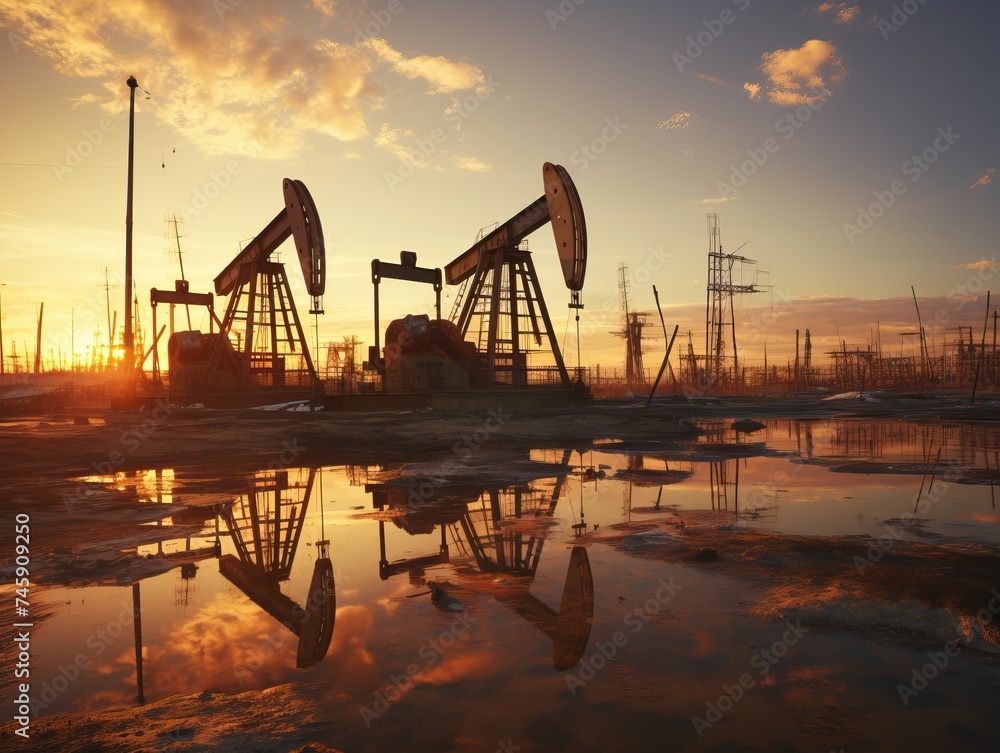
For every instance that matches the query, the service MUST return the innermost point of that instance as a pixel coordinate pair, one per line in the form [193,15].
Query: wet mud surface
[620,569]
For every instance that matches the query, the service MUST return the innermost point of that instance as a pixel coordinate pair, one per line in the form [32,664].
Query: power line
[52,164]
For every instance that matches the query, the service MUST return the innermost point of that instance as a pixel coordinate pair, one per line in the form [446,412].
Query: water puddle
[752,590]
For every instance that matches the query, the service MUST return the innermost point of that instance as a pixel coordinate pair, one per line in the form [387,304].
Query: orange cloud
[843,13]
[711,79]
[801,76]
[227,76]
[442,74]
[676,121]
[984,180]
[753,90]
[981,264]
[327,7]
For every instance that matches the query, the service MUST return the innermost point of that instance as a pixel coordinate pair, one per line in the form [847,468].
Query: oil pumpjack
[265,523]
[484,528]
[259,353]
[505,294]
[482,358]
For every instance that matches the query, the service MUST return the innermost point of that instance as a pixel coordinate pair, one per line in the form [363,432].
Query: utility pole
[3,285]
[38,340]
[129,343]
[720,312]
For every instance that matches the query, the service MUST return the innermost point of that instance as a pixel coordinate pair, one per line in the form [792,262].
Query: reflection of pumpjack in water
[481,527]
[266,524]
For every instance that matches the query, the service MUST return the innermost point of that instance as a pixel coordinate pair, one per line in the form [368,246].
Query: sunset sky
[415,123]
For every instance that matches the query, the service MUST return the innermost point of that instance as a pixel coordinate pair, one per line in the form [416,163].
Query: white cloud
[471,163]
[697,203]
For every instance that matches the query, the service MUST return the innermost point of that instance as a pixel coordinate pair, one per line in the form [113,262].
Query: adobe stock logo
[914,169]
[714,28]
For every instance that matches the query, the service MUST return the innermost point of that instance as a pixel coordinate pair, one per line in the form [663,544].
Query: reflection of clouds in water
[350,636]
[106,698]
[461,666]
[390,604]
[224,642]
[228,645]
[703,644]
[455,666]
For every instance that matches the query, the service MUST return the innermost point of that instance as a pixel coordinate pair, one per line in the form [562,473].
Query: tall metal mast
[129,343]
[720,313]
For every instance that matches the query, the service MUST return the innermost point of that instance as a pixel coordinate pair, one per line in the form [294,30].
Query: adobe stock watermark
[923,501]
[15,40]
[938,661]
[131,440]
[219,180]
[461,110]
[914,169]
[586,154]
[381,19]
[463,449]
[400,684]
[224,7]
[963,293]
[714,28]
[77,154]
[901,13]
[636,620]
[763,661]
[99,641]
[608,313]
[90,313]
[762,492]
[786,126]
[419,155]
[763,321]
[563,11]
[270,645]
[277,642]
